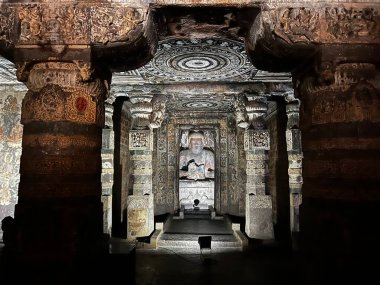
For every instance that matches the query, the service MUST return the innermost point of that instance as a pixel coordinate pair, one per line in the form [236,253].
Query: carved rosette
[58,94]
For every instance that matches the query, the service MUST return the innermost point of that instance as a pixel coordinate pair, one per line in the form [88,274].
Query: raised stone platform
[182,235]
[190,242]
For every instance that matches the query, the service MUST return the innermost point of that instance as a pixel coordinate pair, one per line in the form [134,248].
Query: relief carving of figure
[196,163]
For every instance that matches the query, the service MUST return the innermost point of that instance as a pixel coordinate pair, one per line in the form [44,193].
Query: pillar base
[140,216]
[259,223]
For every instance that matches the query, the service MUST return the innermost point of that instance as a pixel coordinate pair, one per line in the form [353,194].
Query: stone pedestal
[140,216]
[189,190]
[259,223]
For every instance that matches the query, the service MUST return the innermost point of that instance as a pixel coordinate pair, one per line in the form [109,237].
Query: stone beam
[122,36]
[284,37]
[263,88]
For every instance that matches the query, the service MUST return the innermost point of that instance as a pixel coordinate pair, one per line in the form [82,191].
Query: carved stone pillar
[140,203]
[108,146]
[259,223]
[340,118]
[294,149]
[59,211]
[340,122]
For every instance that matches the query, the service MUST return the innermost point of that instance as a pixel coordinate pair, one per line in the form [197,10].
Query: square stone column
[140,205]
[258,208]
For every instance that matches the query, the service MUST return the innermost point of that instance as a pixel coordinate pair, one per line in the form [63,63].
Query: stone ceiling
[187,62]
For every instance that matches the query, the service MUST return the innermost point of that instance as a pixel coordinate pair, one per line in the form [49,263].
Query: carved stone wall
[10,147]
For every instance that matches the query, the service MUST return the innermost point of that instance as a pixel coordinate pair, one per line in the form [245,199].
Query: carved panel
[81,107]
[256,139]
[140,140]
[112,24]
[297,24]
[331,24]
[352,23]
[53,24]
[140,216]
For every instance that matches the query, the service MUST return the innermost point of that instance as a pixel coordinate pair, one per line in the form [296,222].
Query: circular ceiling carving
[199,60]
[199,104]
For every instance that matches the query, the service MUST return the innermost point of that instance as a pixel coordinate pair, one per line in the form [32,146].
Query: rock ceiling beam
[285,37]
[117,35]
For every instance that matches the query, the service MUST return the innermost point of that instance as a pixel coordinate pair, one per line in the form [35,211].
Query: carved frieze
[353,23]
[65,24]
[113,23]
[325,24]
[297,24]
[53,24]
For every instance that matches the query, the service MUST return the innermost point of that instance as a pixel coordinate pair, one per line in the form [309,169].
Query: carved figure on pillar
[158,113]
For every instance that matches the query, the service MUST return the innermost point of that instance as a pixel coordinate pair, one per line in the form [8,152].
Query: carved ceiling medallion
[199,60]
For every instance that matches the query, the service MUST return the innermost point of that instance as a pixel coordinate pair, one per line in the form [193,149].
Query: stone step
[190,241]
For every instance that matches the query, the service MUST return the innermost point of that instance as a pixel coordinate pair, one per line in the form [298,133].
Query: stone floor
[264,264]
[259,264]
